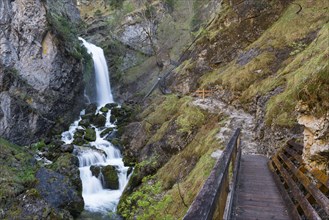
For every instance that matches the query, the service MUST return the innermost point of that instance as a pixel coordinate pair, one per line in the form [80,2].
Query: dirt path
[235,118]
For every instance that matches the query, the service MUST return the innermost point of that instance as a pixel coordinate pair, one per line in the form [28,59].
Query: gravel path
[235,119]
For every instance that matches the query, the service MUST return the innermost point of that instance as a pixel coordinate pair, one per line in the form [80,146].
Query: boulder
[87,116]
[90,134]
[113,118]
[111,179]
[111,105]
[79,133]
[58,191]
[104,109]
[79,141]
[95,170]
[84,123]
[98,120]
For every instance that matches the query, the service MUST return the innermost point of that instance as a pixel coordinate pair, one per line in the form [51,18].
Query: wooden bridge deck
[257,196]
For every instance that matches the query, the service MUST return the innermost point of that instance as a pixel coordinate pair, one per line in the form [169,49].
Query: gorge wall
[41,83]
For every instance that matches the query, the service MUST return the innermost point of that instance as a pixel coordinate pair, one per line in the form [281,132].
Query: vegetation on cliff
[280,60]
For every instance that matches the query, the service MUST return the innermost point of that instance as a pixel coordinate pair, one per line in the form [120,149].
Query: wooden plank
[259,213]
[321,199]
[319,175]
[293,213]
[305,205]
[294,154]
[262,203]
[257,195]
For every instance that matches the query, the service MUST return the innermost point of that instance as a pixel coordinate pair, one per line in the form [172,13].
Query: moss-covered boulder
[90,134]
[104,109]
[95,170]
[111,105]
[84,123]
[98,120]
[79,141]
[111,179]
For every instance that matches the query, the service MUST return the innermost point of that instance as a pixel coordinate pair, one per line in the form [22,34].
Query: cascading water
[100,153]
[103,87]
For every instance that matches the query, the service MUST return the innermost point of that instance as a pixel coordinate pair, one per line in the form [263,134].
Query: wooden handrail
[211,202]
[305,189]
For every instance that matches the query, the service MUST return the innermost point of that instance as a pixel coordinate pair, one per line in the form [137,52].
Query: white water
[103,87]
[96,198]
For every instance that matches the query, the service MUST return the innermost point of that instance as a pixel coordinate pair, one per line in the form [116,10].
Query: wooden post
[203,95]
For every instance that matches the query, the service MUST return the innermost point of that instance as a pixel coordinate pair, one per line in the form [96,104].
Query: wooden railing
[214,200]
[304,189]
[203,93]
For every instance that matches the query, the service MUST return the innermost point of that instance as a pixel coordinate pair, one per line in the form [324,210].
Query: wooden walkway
[257,196]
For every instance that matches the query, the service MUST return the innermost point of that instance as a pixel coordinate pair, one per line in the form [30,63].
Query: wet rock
[106,132]
[84,123]
[79,141]
[58,191]
[113,118]
[98,120]
[95,170]
[111,105]
[87,116]
[104,110]
[90,134]
[129,171]
[79,133]
[111,179]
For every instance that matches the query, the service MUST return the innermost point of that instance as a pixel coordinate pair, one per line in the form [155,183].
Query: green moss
[164,110]
[306,80]
[67,33]
[17,170]
[191,118]
[315,93]
[289,57]
[146,202]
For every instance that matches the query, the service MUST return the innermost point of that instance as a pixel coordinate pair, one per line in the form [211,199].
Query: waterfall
[102,153]
[103,87]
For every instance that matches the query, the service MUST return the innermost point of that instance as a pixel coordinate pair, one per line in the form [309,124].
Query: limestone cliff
[40,79]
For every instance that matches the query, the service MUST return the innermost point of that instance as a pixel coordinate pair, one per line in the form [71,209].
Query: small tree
[149,22]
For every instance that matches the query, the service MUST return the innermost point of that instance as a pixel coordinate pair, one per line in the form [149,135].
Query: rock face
[58,191]
[316,138]
[40,83]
